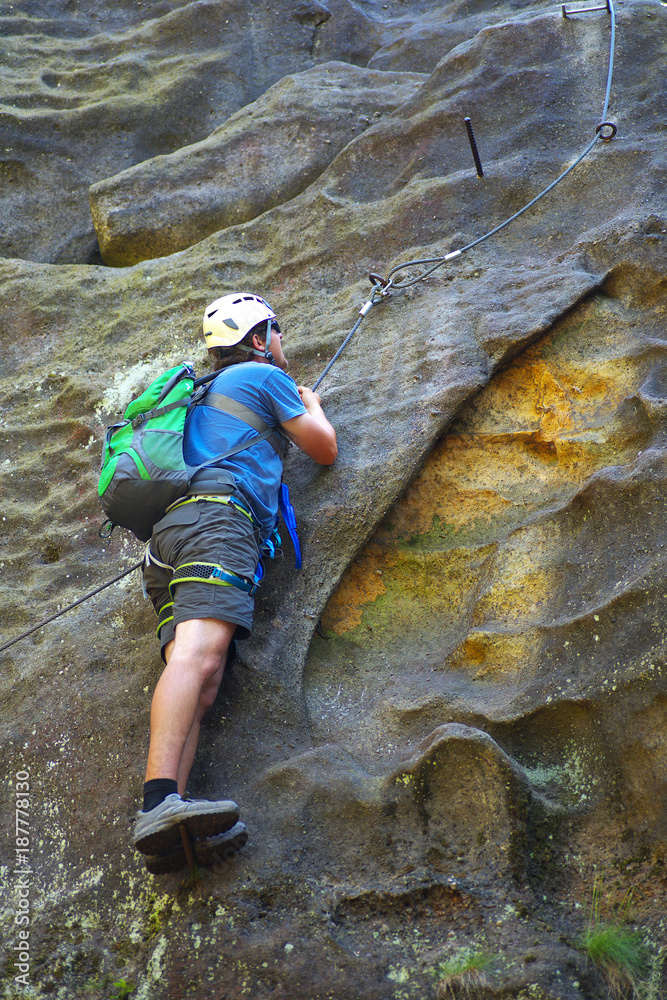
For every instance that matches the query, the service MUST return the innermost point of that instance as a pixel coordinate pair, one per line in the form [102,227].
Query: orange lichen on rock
[362,584]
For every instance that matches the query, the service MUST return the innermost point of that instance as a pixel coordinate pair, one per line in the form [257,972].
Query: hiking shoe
[157,830]
[208,851]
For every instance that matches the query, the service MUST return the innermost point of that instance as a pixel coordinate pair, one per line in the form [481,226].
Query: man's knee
[209,691]
[202,645]
[212,667]
[205,668]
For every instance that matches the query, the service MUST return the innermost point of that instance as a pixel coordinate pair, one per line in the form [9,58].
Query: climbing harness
[213,572]
[221,328]
[195,572]
[228,498]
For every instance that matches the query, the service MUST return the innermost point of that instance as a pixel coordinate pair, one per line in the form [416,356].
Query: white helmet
[228,319]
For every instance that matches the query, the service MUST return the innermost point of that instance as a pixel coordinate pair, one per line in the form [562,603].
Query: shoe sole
[207,853]
[201,824]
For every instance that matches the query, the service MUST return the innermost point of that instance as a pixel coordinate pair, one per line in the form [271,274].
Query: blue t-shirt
[273,396]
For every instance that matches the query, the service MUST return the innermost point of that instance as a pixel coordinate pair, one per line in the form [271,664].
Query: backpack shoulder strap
[248,416]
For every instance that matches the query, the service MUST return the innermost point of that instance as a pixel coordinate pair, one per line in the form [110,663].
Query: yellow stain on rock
[467,542]
[362,584]
[487,654]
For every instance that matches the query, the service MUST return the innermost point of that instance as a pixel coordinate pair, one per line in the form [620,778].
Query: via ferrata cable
[382,287]
[69,607]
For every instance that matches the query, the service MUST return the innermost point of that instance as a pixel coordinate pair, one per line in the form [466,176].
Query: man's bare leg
[186,689]
[195,660]
[206,701]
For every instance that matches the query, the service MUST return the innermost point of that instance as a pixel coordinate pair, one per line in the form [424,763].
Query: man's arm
[312,432]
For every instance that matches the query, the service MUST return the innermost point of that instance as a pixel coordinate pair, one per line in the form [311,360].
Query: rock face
[93,88]
[262,156]
[471,752]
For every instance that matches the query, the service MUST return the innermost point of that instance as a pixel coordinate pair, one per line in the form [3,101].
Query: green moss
[156,916]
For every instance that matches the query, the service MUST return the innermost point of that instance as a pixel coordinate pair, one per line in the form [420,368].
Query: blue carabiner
[289,517]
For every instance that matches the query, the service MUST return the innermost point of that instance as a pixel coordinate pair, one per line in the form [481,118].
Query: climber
[203,556]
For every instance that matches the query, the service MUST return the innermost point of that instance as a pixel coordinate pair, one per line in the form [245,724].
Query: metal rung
[187,847]
[585,10]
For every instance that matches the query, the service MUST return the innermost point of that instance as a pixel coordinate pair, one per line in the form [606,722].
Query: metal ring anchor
[381,286]
[609,125]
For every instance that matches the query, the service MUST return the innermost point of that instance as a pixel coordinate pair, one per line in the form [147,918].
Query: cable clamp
[585,10]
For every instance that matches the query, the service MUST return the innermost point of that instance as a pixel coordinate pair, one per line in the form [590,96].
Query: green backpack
[143,468]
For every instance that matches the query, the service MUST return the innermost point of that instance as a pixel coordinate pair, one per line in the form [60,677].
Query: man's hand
[312,432]
[309,398]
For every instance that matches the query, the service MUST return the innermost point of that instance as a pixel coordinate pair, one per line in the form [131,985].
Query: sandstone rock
[486,594]
[429,806]
[94,88]
[262,156]
[420,42]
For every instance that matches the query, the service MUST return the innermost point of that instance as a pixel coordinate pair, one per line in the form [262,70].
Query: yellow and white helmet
[228,319]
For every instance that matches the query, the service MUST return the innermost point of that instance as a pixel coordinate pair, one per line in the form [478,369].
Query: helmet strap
[266,353]
[267,347]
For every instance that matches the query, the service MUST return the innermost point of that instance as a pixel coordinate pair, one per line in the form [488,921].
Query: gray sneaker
[157,830]
[208,851]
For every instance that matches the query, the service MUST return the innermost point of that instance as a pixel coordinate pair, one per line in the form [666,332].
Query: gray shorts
[203,531]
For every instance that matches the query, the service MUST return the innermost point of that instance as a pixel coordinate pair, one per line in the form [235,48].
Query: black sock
[156,790]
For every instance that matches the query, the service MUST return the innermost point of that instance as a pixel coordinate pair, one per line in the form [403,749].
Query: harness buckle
[218,573]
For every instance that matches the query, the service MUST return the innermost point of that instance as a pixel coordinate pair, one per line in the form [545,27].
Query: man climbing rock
[203,557]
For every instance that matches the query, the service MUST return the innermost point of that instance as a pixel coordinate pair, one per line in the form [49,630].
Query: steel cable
[383,286]
[438,261]
[69,607]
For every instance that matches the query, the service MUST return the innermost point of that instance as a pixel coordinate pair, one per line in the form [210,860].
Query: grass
[462,974]
[621,954]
